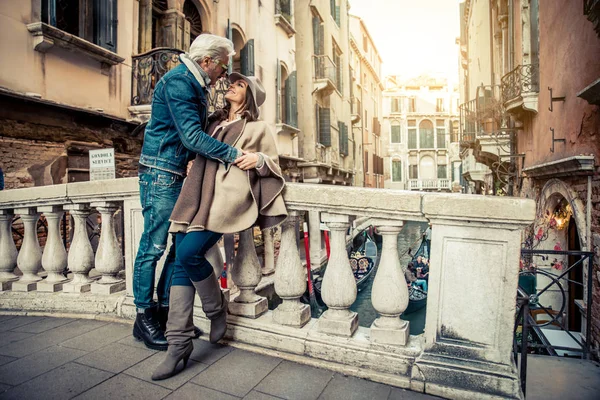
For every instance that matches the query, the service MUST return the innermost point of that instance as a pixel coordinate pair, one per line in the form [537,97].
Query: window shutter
[105,24]
[230,37]
[341,136]
[247,58]
[325,126]
[396,134]
[278,92]
[337,15]
[316,23]
[49,12]
[346,147]
[291,100]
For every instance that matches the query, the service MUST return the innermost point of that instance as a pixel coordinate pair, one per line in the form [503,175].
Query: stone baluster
[8,251]
[246,274]
[29,260]
[339,286]
[81,254]
[290,277]
[314,227]
[54,257]
[390,293]
[109,260]
[269,251]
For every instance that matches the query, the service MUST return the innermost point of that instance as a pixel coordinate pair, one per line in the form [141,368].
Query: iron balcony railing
[325,68]
[523,79]
[591,8]
[147,69]
[545,306]
[483,116]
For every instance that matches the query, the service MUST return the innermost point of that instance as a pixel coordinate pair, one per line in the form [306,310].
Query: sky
[413,36]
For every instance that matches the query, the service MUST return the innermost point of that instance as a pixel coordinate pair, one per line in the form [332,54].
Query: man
[427,238]
[174,134]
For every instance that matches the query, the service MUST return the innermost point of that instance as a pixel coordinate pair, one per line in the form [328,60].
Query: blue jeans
[158,194]
[422,283]
[191,264]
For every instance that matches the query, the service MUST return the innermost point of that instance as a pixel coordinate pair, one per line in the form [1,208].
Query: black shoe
[163,315]
[147,329]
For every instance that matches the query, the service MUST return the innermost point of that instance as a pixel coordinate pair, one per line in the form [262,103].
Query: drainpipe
[491,47]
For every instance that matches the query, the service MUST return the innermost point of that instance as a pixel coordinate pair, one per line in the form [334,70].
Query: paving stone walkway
[60,358]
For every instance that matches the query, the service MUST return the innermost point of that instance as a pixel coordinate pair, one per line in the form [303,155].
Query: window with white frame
[440,129]
[395,104]
[412,134]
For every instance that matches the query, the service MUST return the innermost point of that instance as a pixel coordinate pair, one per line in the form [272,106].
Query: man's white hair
[213,46]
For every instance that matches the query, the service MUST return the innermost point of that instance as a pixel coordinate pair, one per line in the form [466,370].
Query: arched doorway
[193,16]
[427,168]
[426,137]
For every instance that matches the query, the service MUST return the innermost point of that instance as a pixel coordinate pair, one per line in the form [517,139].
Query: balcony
[520,89]
[146,70]
[376,127]
[472,170]
[283,16]
[456,357]
[430,184]
[325,74]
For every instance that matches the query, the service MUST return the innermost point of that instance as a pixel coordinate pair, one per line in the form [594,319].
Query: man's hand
[247,160]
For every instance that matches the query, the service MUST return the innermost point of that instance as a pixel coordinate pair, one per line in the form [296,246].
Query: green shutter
[441,172]
[291,100]
[396,171]
[325,126]
[316,23]
[247,58]
[337,15]
[105,24]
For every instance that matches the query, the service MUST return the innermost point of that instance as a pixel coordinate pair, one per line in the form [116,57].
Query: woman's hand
[247,160]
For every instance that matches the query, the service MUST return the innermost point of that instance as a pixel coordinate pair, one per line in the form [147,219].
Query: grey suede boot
[214,306]
[180,331]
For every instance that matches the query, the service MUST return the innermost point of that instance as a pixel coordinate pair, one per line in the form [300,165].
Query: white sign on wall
[102,164]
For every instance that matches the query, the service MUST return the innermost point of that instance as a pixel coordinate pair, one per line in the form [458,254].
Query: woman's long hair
[249,110]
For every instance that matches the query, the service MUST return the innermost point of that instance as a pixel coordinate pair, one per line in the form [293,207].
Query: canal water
[409,237]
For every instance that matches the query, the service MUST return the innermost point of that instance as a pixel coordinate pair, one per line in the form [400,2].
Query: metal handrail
[522,79]
[324,68]
[526,300]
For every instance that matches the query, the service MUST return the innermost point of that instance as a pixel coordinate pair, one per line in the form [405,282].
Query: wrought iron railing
[483,116]
[534,313]
[147,69]
[523,79]
[325,68]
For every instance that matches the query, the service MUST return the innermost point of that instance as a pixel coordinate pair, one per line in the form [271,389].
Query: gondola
[364,258]
[417,299]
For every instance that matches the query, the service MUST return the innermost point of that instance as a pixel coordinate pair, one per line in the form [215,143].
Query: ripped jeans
[159,191]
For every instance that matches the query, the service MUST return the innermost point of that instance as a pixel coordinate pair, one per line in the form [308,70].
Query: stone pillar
[339,286]
[172,28]
[269,251]
[390,293]
[314,228]
[109,260]
[476,243]
[54,258]
[8,251]
[246,274]
[290,278]
[81,255]
[29,260]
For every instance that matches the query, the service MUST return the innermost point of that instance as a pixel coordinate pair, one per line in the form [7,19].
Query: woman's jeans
[159,191]
[191,263]
[422,283]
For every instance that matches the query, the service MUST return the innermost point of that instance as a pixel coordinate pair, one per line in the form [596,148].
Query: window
[365,43]
[412,104]
[442,172]
[426,135]
[92,20]
[396,138]
[323,125]
[439,105]
[395,104]
[289,99]
[343,138]
[337,61]
[396,171]
[318,35]
[412,134]
[413,171]
[335,11]
[247,58]
[366,162]
[440,129]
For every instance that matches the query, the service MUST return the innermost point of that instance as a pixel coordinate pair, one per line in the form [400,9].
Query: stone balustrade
[465,351]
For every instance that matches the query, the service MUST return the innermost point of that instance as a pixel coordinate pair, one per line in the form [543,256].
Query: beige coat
[226,199]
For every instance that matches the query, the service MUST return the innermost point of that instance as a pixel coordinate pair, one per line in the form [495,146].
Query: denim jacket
[175,132]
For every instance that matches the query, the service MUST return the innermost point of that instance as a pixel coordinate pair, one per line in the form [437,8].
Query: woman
[217,199]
